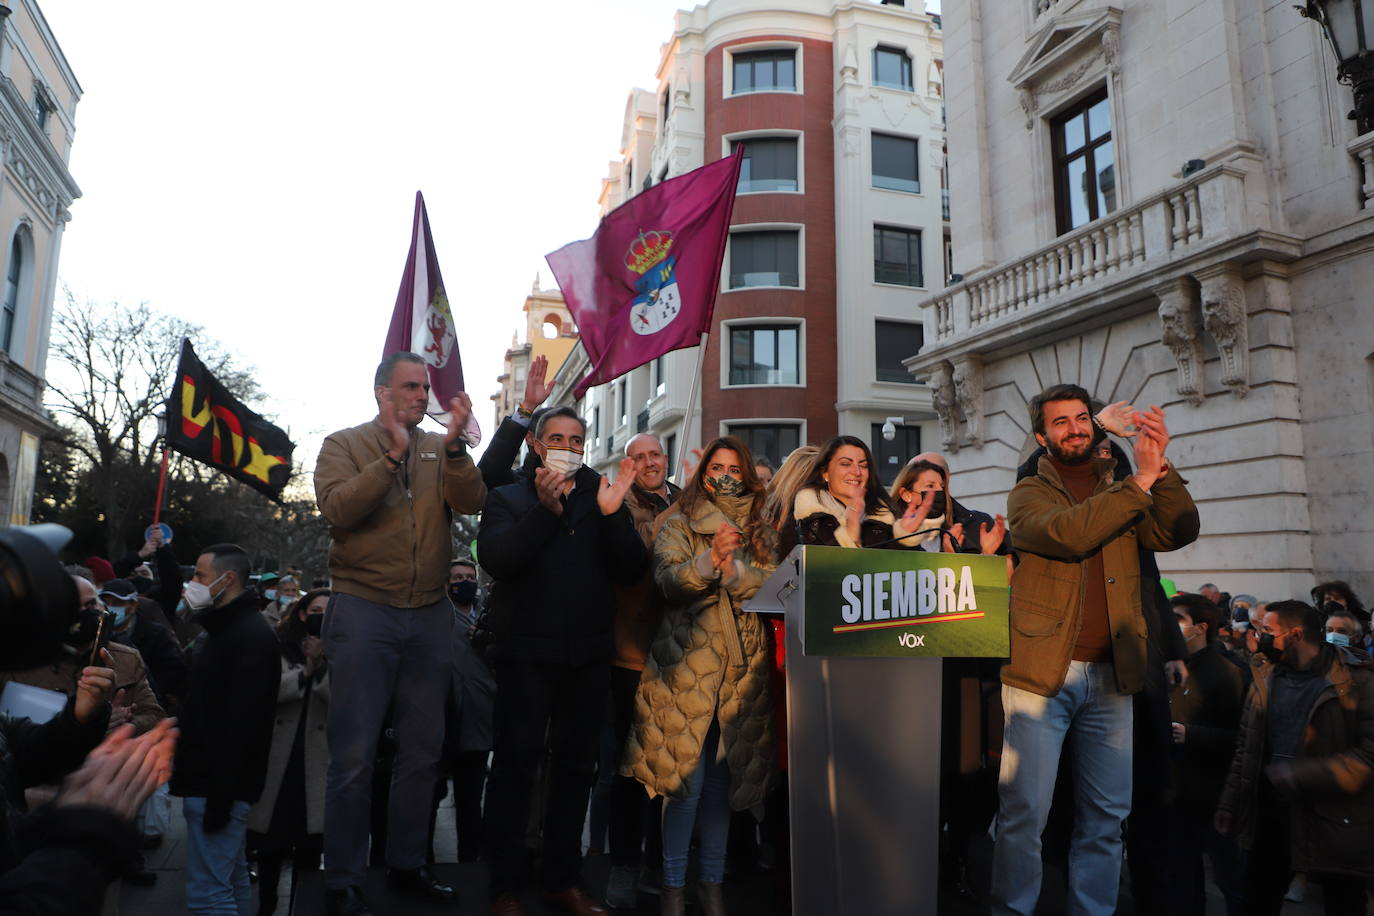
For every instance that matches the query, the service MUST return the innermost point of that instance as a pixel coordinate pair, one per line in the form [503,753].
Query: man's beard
[1063,457]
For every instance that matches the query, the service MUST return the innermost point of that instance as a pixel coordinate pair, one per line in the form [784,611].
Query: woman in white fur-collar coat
[843,504]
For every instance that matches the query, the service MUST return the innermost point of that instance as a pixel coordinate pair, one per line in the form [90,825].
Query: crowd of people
[588,669]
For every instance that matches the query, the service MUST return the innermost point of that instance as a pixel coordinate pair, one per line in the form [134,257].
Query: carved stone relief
[942,400]
[1182,335]
[1224,316]
[968,389]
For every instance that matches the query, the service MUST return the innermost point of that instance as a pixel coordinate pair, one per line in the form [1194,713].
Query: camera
[38,600]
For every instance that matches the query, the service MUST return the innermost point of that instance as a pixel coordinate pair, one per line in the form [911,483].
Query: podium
[866,630]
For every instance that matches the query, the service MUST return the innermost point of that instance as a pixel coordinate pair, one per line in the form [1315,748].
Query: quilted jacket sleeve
[677,570]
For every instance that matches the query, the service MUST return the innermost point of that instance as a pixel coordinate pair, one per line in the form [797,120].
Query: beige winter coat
[708,658]
[290,708]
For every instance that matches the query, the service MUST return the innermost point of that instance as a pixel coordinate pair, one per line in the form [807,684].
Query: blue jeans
[216,869]
[707,806]
[1099,717]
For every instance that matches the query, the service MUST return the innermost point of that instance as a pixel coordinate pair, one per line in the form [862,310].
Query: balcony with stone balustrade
[1109,268]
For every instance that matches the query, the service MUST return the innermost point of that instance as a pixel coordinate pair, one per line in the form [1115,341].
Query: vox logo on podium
[911,640]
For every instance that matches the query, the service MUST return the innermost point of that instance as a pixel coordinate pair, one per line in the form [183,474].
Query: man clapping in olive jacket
[1078,644]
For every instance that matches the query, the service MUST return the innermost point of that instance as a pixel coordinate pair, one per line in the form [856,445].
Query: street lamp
[1349,26]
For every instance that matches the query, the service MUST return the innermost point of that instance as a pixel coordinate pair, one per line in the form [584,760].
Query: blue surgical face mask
[271,594]
[1337,639]
[121,614]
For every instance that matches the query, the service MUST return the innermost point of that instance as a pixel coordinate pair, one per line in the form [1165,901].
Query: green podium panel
[863,715]
[903,603]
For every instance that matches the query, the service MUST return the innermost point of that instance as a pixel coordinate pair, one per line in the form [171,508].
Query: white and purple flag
[422,323]
[645,282]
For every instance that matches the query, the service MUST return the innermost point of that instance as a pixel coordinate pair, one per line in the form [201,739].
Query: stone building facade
[38,98]
[838,227]
[1165,202]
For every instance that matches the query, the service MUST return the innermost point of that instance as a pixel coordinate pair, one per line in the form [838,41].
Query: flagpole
[692,400]
[161,488]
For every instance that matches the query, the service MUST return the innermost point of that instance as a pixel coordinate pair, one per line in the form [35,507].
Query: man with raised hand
[389,492]
[555,543]
[1078,644]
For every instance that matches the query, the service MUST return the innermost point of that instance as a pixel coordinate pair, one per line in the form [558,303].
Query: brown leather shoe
[575,901]
[507,905]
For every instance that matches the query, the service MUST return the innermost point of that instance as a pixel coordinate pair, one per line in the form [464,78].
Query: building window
[660,383]
[774,441]
[623,394]
[41,109]
[897,256]
[770,164]
[765,355]
[1084,171]
[765,258]
[765,71]
[596,427]
[896,165]
[894,341]
[893,456]
[891,68]
[669,445]
[667,104]
[11,306]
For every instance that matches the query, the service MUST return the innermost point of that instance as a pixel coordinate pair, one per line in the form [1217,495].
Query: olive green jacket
[1054,538]
[708,659]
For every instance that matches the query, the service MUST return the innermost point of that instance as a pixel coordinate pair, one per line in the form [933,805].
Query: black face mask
[463,593]
[1267,648]
[313,624]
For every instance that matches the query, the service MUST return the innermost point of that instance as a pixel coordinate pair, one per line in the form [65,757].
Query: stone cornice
[1037,64]
[50,42]
[31,156]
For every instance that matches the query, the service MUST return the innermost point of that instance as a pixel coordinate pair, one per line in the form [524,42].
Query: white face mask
[563,461]
[199,596]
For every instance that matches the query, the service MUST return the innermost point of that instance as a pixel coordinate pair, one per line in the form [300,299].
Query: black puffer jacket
[553,599]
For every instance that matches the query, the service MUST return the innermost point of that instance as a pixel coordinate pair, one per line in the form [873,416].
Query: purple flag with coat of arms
[645,282]
[422,323]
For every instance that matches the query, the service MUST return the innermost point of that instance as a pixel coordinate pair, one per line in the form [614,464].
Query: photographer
[60,859]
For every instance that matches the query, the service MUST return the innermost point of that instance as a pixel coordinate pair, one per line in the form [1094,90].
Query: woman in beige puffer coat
[703,733]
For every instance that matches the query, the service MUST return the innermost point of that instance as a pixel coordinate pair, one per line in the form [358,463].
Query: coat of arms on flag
[658,301]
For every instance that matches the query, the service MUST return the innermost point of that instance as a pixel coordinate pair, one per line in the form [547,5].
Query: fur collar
[813,500]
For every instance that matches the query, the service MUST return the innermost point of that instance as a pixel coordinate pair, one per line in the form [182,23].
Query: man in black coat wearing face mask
[467,717]
[555,542]
[1300,793]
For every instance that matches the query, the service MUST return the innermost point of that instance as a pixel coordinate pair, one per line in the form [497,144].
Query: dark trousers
[566,704]
[382,657]
[467,770]
[1269,869]
[1191,836]
[629,802]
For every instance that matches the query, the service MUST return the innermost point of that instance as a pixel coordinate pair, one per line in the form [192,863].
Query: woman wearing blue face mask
[703,735]
[289,817]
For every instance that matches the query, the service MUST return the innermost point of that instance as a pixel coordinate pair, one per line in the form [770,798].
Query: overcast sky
[255,174]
